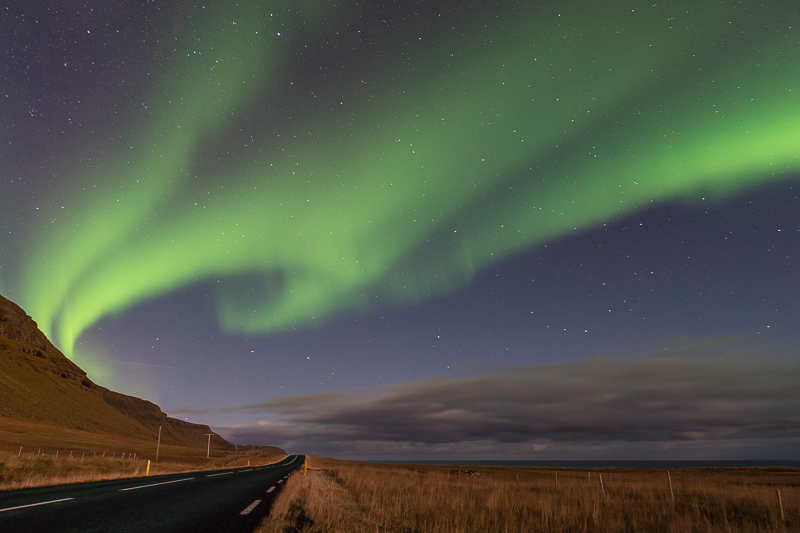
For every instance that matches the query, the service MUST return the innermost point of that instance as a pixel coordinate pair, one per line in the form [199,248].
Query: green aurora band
[417,173]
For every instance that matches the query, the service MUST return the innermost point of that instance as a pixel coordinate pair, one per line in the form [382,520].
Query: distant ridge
[43,392]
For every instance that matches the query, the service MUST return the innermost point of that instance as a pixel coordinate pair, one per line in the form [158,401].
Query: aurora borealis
[274,176]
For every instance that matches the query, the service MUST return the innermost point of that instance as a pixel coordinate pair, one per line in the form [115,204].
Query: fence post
[670,487]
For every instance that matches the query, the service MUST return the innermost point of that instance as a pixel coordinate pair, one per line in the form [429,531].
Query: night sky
[417,230]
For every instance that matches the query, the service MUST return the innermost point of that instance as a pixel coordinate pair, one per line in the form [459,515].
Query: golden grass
[27,470]
[338,496]
[32,436]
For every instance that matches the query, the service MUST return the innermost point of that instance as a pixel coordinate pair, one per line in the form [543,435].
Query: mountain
[45,397]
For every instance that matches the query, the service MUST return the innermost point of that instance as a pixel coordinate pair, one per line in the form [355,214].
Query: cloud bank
[726,405]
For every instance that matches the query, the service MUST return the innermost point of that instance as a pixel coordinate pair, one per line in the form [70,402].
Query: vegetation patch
[339,496]
[23,470]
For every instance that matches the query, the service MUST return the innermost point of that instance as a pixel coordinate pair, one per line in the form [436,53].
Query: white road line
[35,504]
[245,470]
[280,481]
[250,507]
[156,484]
[270,489]
[222,474]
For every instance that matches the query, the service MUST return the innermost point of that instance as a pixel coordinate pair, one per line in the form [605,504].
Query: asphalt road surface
[231,500]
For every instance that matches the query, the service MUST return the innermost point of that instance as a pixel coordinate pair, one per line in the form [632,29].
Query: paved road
[232,500]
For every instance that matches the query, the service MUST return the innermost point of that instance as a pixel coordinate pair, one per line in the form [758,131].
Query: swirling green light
[546,123]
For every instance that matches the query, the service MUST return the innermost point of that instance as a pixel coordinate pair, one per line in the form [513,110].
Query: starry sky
[525,230]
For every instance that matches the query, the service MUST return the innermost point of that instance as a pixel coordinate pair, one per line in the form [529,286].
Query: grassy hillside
[47,401]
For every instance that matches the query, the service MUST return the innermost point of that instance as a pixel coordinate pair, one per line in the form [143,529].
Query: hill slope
[43,391]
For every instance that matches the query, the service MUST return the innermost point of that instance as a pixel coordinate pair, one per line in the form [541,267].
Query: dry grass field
[34,435]
[37,467]
[339,496]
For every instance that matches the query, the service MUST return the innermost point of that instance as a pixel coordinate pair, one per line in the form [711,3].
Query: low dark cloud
[671,402]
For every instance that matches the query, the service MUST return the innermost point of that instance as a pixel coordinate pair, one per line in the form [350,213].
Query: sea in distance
[609,464]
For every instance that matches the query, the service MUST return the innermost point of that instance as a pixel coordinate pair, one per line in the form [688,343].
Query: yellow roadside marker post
[305,472]
[147,473]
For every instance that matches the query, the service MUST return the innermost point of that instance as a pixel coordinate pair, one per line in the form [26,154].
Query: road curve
[232,500]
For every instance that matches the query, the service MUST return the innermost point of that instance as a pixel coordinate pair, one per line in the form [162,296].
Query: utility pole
[208,452]
[236,443]
[158,446]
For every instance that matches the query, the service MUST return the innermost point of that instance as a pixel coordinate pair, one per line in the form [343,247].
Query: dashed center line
[248,470]
[35,504]
[280,481]
[156,484]
[270,489]
[250,507]
[222,474]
